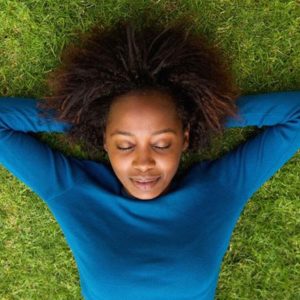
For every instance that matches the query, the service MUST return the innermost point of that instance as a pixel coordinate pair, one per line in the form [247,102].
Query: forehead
[143,108]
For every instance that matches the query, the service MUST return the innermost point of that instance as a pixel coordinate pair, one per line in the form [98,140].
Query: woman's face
[144,141]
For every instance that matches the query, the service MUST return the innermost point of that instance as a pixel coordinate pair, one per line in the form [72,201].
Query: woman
[137,228]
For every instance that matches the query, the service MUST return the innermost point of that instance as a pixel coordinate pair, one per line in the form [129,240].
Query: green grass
[262,38]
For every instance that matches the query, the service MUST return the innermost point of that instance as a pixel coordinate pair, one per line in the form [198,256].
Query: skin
[142,114]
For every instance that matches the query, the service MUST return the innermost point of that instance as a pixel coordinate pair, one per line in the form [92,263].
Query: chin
[148,197]
[145,197]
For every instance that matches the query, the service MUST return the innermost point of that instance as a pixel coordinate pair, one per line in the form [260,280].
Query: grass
[262,39]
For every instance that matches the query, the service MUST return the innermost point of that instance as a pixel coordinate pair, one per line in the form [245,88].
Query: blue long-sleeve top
[168,248]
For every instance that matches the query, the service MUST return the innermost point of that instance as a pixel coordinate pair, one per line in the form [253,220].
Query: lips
[145,184]
[145,179]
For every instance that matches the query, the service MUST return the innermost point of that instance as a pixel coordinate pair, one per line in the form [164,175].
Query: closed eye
[128,148]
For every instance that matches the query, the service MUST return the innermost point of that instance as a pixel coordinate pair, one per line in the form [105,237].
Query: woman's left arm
[245,169]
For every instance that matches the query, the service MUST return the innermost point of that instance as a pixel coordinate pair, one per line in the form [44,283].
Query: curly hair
[111,61]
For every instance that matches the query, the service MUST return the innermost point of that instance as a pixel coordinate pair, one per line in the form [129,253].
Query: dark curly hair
[114,60]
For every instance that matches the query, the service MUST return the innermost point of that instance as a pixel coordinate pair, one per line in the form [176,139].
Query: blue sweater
[168,248]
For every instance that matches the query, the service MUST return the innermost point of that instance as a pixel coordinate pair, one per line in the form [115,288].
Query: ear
[104,141]
[186,138]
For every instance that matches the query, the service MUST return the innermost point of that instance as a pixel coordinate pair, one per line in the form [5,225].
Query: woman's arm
[46,171]
[245,169]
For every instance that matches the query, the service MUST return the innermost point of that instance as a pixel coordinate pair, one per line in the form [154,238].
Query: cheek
[168,163]
[119,163]
[173,168]
[168,166]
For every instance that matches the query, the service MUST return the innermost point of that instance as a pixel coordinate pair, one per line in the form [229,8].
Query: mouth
[145,184]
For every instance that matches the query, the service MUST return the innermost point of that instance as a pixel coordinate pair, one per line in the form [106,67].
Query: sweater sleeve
[245,169]
[46,171]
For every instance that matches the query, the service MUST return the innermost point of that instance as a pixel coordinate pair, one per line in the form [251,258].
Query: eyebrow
[154,133]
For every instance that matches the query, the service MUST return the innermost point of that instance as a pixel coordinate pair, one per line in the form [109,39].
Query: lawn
[262,39]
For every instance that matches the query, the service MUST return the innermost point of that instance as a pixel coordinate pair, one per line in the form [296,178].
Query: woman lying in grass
[145,95]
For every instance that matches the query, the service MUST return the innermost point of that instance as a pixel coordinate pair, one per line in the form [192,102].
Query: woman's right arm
[46,171]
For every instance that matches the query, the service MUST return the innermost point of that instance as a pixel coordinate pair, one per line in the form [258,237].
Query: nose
[143,161]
